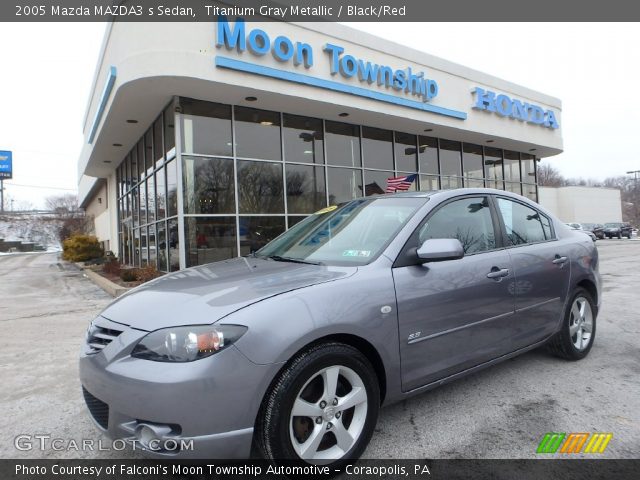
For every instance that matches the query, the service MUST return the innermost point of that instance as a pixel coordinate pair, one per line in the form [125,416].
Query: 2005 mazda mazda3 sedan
[294,348]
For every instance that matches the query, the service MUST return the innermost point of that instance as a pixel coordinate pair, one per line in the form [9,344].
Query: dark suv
[617,229]
[595,228]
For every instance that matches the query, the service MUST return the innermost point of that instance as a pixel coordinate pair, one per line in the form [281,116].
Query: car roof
[451,193]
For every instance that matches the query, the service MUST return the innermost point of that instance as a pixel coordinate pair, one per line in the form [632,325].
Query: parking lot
[501,412]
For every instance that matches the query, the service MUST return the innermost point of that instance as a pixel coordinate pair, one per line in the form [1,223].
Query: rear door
[454,314]
[542,270]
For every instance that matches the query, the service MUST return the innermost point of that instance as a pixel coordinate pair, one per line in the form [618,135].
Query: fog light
[152,436]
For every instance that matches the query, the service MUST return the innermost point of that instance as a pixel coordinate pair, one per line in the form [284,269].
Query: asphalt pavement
[501,412]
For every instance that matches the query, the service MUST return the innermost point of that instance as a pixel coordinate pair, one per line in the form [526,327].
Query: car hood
[205,294]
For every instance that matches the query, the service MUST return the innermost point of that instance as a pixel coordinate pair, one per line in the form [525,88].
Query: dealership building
[203,141]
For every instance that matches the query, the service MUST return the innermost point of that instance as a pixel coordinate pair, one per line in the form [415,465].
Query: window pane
[493,167]
[450,182]
[513,187]
[169,133]
[428,151]
[528,168]
[406,152]
[343,144]
[148,151]
[429,183]
[294,219]
[472,163]
[303,139]
[141,165]
[135,206]
[511,166]
[375,183]
[151,199]
[127,170]
[260,187]
[210,239]
[173,244]
[468,220]
[305,188]
[472,183]
[208,185]
[206,128]
[136,245]
[257,133]
[172,188]
[143,249]
[143,202]
[256,232]
[151,245]
[546,226]
[450,158]
[344,184]
[158,145]
[377,148]
[136,167]
[523,224]
[161,240]
[530,192]
[161,195]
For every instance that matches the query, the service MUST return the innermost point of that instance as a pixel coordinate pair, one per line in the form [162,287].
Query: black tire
[561,344]
[272,433]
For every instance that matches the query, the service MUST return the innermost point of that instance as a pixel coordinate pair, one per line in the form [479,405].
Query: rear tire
[334,389]
[578,331]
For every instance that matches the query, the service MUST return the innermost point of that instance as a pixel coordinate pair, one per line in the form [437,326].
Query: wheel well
[359,343]
[590,287]
[367,350]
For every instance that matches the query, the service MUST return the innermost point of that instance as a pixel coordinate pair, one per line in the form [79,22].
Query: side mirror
[439,249]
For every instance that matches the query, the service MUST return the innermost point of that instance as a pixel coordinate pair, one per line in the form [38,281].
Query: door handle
[559,260]
[498,273]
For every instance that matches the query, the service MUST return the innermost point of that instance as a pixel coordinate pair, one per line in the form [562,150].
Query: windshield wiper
[278,258]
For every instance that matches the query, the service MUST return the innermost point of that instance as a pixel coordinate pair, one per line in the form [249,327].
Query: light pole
[635,192]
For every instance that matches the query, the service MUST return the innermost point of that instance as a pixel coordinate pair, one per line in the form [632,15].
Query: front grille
[100,337]
[98,409]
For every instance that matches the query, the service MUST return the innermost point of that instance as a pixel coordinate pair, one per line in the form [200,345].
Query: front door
[455,314]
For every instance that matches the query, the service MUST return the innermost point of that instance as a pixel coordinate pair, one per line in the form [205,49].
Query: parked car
[617,229]
[295,348]
[576,226]
[595,228]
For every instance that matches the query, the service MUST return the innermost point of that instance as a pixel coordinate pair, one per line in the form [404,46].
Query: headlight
[186,344]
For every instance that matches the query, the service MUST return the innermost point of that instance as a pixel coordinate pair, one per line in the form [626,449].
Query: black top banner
[321,10]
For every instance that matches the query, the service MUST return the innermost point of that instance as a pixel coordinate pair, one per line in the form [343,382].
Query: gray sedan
[295,348]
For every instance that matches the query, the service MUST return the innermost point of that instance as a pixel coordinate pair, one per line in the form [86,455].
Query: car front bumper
[208,407]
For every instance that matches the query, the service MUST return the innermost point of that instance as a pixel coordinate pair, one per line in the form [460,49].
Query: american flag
[400,184]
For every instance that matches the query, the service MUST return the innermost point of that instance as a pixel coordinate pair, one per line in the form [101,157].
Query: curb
[107,285]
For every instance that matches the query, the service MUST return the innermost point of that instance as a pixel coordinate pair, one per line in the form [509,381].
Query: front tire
[322,408]
[578,332]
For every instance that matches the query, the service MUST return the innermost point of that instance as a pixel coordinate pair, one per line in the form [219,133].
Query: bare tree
[65,206]
[549,176]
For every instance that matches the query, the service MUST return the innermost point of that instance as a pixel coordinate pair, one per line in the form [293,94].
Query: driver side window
[468,220]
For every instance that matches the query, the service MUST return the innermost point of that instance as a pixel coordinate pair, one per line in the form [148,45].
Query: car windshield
[612,225]
[588,226]
[352,234]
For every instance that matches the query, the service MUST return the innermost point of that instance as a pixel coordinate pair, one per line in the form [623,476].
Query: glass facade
[246,175]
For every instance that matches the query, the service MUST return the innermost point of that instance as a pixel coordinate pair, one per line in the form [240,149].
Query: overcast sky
[47,71]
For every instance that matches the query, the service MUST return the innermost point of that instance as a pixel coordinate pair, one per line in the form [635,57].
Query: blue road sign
[6,165]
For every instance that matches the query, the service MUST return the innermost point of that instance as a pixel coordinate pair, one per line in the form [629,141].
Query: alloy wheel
[328,414]
[581,323]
